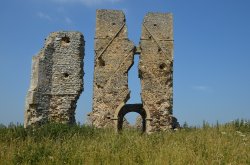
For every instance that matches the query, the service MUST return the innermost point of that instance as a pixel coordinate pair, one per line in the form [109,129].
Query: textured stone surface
[57,80]
[138,123]
[113,58]
[156,71]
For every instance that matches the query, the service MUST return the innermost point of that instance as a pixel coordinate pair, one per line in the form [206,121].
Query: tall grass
[61,144]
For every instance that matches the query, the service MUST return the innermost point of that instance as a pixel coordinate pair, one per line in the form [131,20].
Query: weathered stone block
[57,80]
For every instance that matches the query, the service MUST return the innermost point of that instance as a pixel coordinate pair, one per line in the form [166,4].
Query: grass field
[62,144]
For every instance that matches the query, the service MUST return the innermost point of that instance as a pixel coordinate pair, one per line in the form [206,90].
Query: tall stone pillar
[113,58]
[57,80]
[156,71]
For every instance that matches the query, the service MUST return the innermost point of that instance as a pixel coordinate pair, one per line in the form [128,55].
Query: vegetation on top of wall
[62,144]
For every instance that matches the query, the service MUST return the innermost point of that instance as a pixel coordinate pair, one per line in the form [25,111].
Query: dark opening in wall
[162,66]
[65,41]
[140,117]
[101,62]
[65,75]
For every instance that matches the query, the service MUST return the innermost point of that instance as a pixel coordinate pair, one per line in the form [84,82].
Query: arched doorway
[138,108]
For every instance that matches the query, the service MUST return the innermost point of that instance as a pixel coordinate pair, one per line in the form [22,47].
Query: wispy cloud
[60,9]
[44,16]
[68,20]
[87,2]
[202,88]
[55,18]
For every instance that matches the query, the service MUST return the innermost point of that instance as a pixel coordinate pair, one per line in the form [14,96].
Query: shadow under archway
[138,108]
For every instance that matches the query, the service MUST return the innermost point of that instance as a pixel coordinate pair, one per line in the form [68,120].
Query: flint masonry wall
[57,80]
[114,57]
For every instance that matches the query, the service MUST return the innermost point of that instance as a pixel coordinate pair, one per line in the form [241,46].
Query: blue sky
[211,56]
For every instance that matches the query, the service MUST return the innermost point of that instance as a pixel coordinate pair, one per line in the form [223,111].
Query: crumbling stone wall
[57,80]
[156,70]
[114,57]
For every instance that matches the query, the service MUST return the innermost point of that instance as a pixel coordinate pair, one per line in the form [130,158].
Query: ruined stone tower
[156,71]
[57,80]
[114,57]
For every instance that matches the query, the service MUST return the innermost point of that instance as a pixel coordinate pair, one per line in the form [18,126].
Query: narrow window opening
[134,83]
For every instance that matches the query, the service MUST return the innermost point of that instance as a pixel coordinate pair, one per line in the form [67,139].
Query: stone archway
[138,108]
[114,56]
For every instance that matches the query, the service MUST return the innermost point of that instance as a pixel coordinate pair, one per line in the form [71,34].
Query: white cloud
[87,2]
[68,20]
[202,88]
[44,16]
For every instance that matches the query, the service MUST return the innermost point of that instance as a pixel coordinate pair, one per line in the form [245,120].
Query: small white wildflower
[238,132]
[242,135]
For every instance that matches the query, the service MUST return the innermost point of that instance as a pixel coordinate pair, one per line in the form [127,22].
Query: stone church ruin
[57,74]
[56,81]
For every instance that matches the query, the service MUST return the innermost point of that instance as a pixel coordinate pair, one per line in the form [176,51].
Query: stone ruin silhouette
[57,74]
